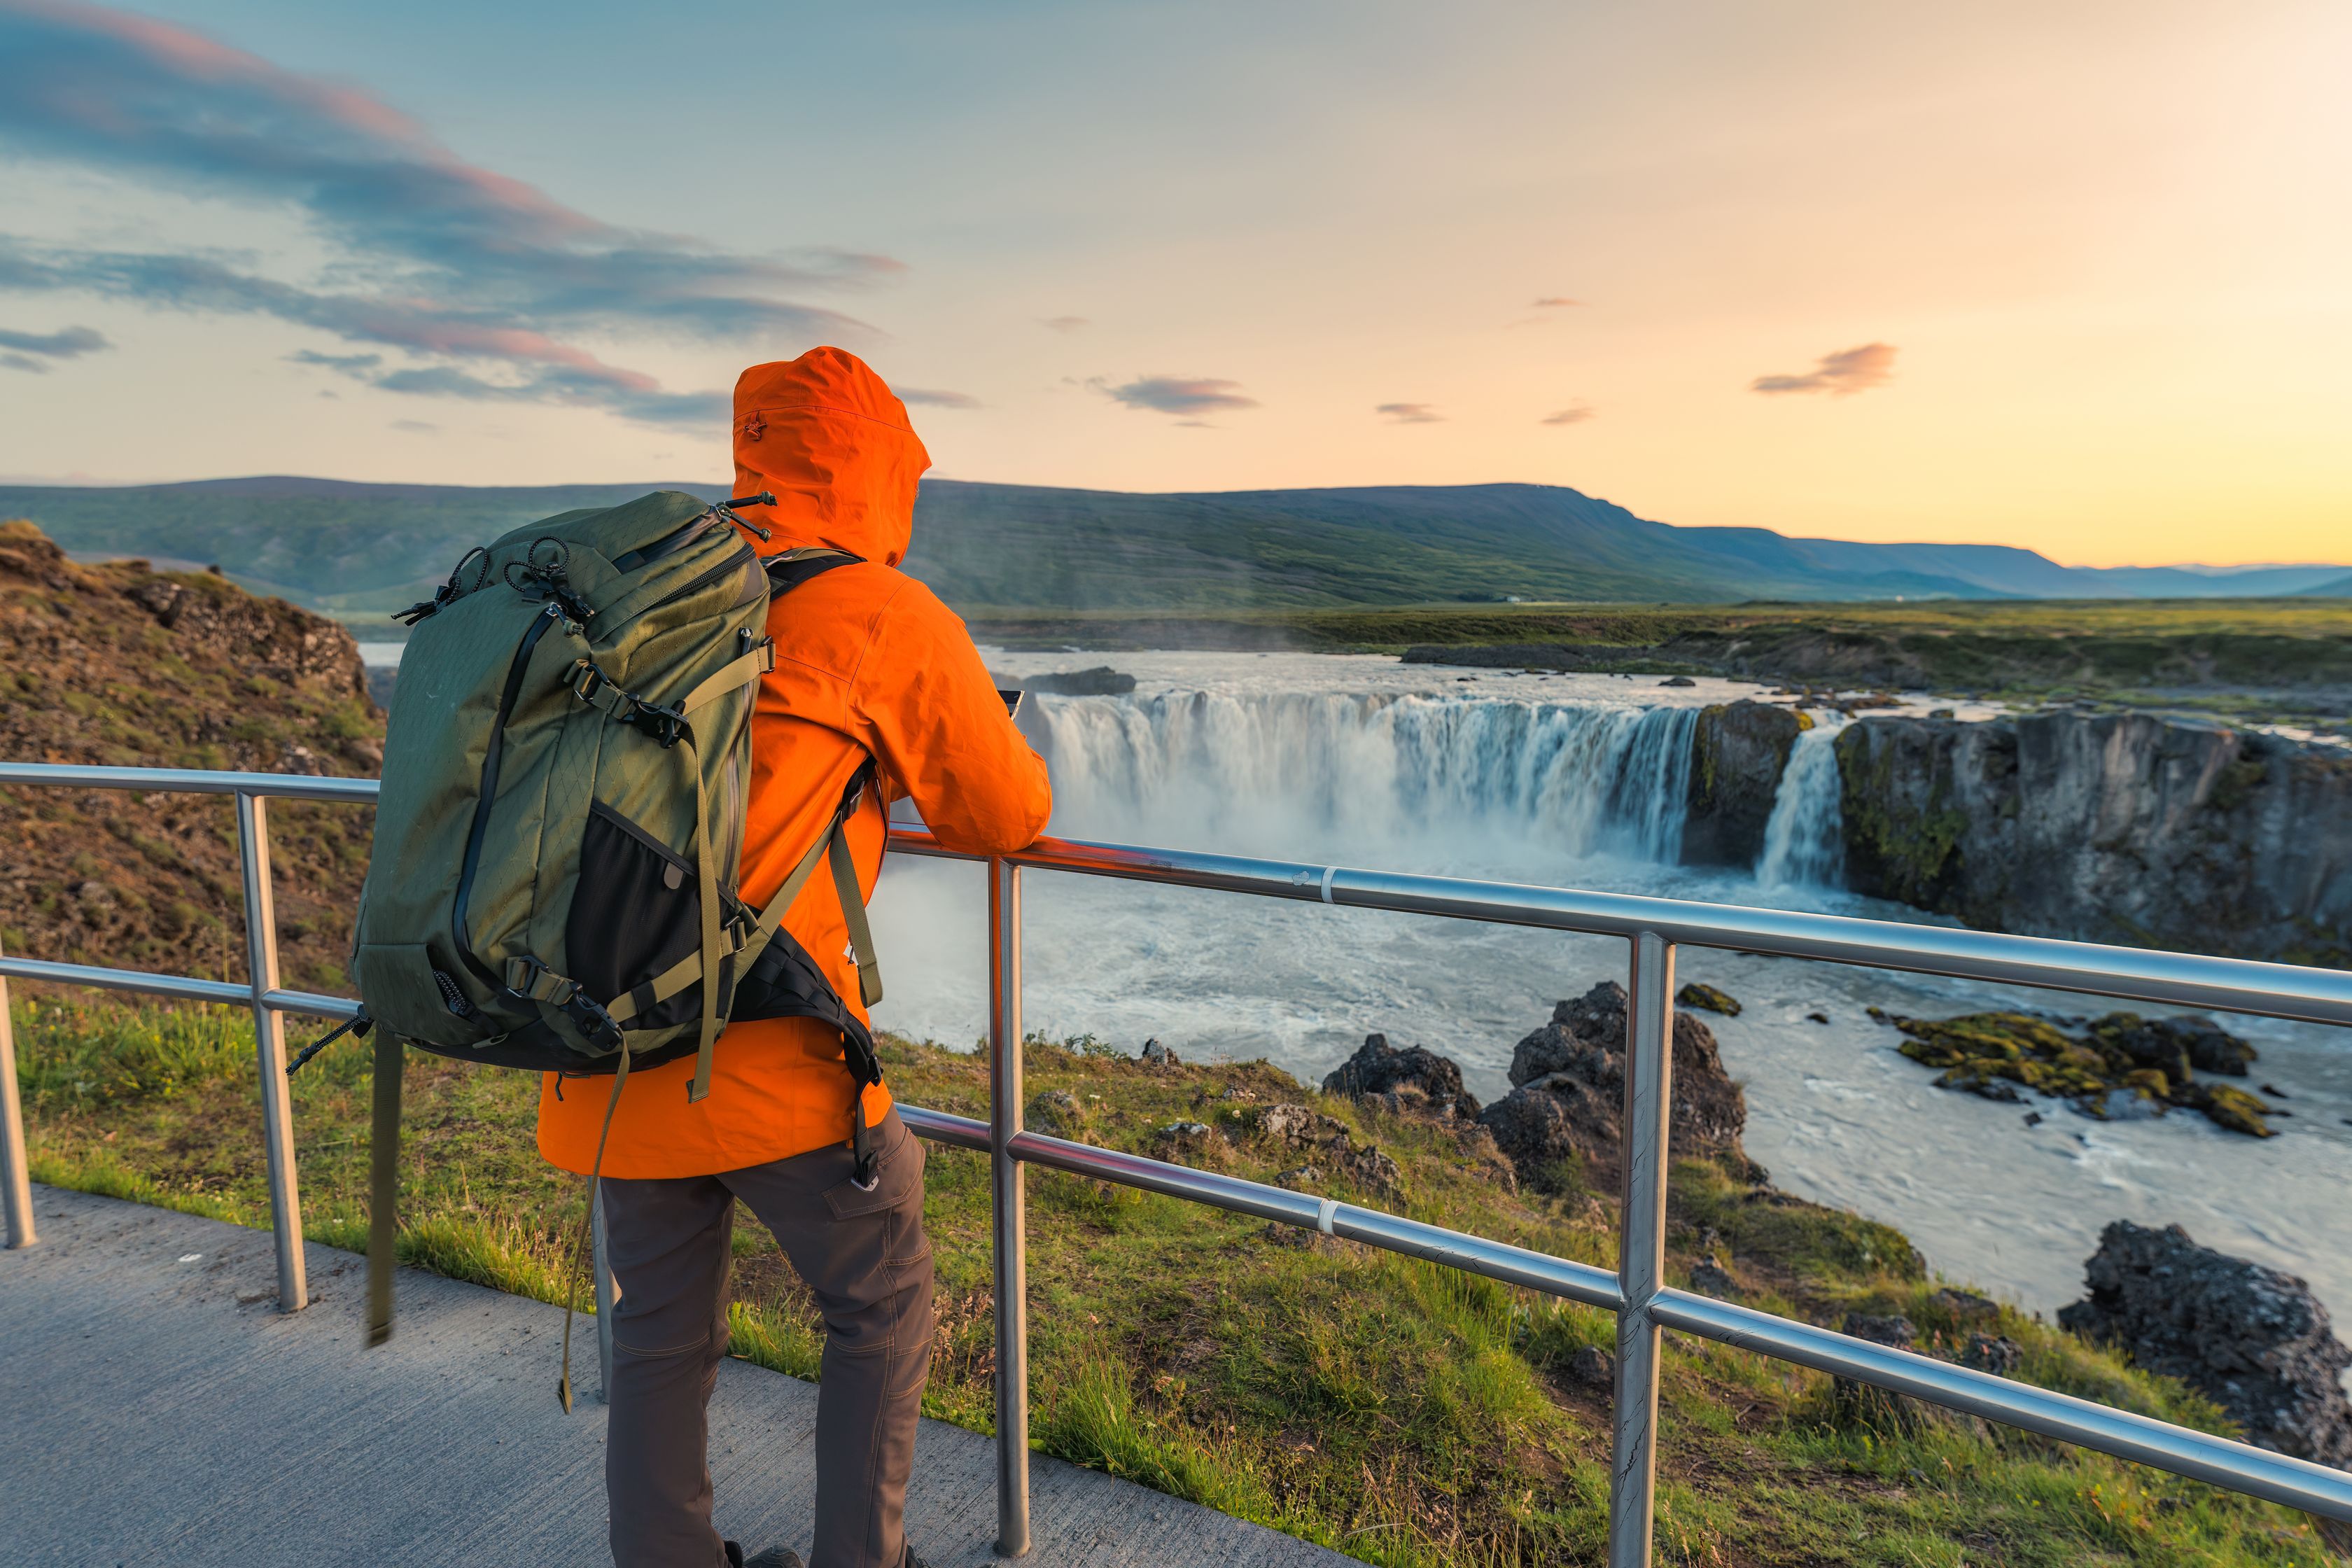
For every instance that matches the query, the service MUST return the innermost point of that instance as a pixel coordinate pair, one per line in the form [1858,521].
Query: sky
[2071,276]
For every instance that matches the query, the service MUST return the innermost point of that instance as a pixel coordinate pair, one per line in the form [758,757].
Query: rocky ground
[128,667]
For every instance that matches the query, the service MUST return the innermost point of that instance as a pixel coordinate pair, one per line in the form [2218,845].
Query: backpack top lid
[833,444]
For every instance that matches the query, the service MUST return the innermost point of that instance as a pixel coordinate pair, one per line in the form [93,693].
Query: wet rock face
[1569,1091]
[1739,750]
[1412,1081]
[2253,1339]
[2118,828]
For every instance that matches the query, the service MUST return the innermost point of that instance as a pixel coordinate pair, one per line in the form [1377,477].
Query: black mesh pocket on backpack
[636,912]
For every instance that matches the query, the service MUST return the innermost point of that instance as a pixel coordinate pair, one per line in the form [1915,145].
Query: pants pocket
[636,913]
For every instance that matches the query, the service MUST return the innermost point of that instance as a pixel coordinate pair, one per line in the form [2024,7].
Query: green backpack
[552,881]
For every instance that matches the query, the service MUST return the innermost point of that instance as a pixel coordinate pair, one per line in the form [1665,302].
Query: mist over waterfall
[1376,777]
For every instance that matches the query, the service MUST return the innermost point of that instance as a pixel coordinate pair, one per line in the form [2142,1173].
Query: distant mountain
[2339,589]
[349,548]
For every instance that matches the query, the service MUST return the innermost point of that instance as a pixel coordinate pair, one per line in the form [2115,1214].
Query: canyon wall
[2118,827]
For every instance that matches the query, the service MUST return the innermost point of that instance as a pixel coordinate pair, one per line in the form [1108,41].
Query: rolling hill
[351,549]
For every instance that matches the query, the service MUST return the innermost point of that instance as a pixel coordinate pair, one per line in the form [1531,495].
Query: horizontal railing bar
[311,1002]
[189,781]
[2180,979]
[1475,1254]
[2240,1467]
[179,987]
[957,1132]
[1391,1233]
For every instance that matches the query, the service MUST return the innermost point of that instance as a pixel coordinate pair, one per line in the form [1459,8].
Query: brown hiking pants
[864,1256]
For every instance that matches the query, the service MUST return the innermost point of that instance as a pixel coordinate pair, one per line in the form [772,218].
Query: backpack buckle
[587,680]
[665,725]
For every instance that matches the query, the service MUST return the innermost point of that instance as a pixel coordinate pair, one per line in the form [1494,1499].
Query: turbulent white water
[1804,842]
[1299,775]
[1569,780]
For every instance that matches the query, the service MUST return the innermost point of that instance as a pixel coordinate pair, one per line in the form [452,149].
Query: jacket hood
[834,445]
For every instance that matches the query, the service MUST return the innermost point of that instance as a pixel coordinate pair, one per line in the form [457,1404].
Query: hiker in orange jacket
[869,664]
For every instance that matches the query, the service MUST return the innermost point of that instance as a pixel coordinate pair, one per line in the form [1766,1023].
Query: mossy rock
[1708,999]
[2106,1076]
[2226,1107]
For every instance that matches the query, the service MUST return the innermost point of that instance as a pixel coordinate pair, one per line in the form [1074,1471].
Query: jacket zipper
[489,789]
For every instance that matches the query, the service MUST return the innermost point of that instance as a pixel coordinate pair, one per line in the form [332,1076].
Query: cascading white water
[1804,840]
[1290,774]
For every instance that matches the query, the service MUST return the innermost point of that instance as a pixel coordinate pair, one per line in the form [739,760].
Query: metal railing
[1635,1292]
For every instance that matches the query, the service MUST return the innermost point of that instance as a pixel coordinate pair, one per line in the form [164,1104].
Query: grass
[1394,1410]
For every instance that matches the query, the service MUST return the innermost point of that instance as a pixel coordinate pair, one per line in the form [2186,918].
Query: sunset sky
[2071,276]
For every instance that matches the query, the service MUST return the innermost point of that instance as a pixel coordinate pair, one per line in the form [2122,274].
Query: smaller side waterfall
[1804,840]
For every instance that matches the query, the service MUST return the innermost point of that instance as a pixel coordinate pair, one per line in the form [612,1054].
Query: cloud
[1178,394]
[416,427]
[1409,414]
[24,362]
[70,343]
[1574,413]
[1066,323]
[1842,374]
[349,364]
[1556,301]
[440,258]
[931,398]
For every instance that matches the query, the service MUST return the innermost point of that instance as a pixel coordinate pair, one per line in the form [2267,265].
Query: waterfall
[1372,777]
[1804,840]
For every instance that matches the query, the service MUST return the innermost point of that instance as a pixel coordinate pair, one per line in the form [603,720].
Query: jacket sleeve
[927,711]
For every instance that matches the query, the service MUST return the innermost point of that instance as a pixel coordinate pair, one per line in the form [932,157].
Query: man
[869,664]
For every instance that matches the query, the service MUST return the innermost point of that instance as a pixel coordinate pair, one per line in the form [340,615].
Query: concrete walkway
[156,1408]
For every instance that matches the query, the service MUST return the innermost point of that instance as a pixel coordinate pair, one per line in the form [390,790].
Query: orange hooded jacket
[868,663]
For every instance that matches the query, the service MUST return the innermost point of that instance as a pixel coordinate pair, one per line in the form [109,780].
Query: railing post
[1641,1248]
[1011,1230]
[608,1294]
[15,1175]
[270,1051]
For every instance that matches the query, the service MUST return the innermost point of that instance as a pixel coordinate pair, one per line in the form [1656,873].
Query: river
[1569,780]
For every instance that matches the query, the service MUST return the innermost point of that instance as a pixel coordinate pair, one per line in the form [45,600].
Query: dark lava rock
[1708,999]
[1678,681]
[2253,1339]
[1570,1093]
[1995,1353]
[1738,751]
[1410,1079]
[1893,1329]
[1155,1055]
[1709,1278]
[2174,1046]
[1966,1305]
[1594,1367]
